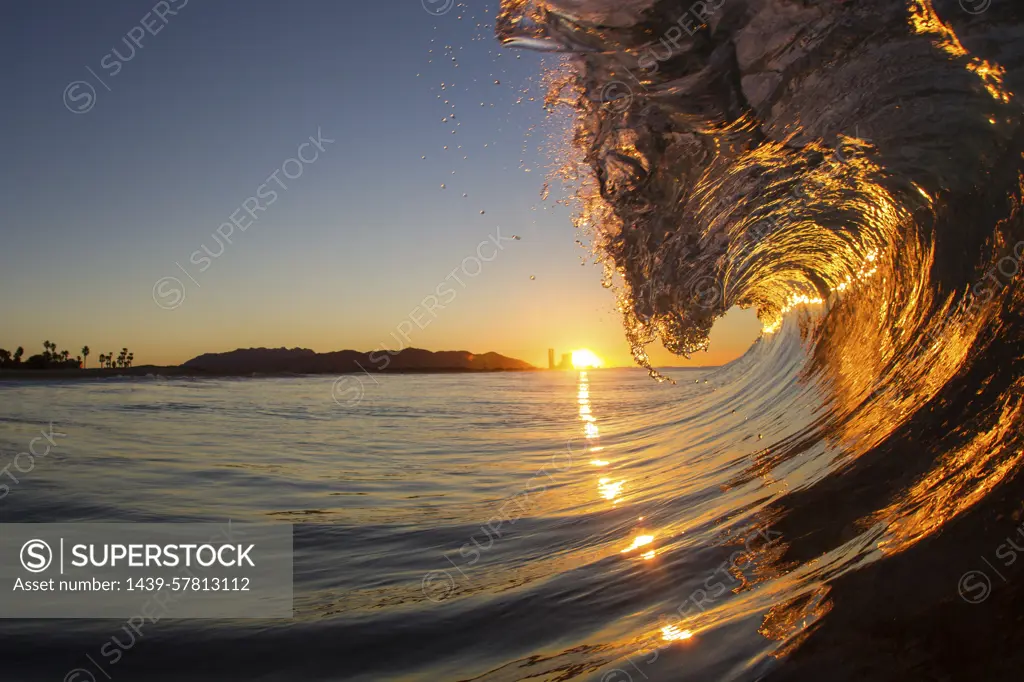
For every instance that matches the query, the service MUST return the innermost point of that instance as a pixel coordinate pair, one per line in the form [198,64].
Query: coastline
[185,372]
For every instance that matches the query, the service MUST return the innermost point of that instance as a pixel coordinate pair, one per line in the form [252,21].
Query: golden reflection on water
[639,541]
[608,488]
[671,633]
[791,622]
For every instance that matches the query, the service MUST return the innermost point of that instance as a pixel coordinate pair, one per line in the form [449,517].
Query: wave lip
[720,175]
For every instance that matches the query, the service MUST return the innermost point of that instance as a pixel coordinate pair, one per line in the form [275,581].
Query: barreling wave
[851,170]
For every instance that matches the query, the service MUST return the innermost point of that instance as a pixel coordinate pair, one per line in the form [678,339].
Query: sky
[318,138]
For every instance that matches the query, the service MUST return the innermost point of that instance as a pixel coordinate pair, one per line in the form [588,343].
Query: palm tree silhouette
[17,355]
[131,359]
[85,354]
[102,359]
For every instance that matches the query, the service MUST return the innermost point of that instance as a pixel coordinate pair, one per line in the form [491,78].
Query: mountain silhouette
[305,361]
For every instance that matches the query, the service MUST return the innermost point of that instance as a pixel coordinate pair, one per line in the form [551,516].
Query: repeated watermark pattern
[1000,275]
[80,96]
[25,462]
[349,390]
[975,6]
[437,8]
[618,95]
[975,586]
[169,292]
[439,585]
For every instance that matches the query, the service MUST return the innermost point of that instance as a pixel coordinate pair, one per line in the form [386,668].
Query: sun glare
[585,359]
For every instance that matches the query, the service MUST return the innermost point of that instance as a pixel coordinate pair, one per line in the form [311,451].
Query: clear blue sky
[99,206]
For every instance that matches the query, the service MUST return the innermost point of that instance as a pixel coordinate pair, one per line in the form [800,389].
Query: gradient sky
[99,206]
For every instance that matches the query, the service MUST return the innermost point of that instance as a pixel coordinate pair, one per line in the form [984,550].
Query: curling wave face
[851,170]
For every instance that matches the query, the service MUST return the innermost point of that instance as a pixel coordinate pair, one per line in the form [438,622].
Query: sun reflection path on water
[672,633]
[608,488]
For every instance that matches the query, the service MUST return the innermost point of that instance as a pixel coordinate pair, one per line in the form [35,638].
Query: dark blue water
[447,527]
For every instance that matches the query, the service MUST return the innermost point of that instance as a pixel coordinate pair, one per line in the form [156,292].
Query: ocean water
[592,525]
[844,502]
[854,172]
[499,526]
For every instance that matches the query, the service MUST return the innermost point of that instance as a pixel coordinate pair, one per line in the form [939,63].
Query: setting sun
[585,359]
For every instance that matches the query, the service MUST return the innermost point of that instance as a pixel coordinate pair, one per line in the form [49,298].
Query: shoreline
[184,372]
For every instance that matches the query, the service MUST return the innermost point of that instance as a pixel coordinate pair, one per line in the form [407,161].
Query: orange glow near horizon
[162,339]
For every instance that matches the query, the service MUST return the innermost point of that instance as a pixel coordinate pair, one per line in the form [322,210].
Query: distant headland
[270,361]
[304,361]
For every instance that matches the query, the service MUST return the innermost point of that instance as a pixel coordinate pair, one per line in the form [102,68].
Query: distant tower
[566,361]
[551,358]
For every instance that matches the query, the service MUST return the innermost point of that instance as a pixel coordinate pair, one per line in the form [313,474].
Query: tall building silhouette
[566,362]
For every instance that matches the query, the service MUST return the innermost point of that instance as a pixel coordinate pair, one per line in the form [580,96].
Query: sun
[585,359]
